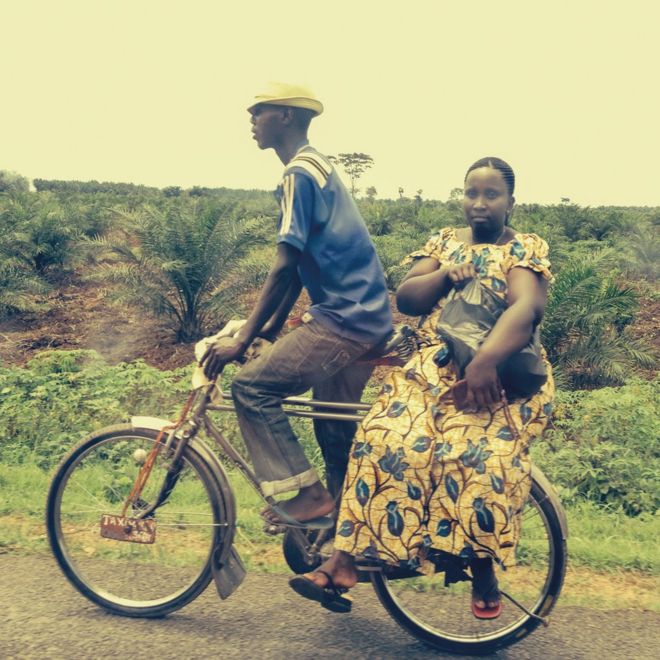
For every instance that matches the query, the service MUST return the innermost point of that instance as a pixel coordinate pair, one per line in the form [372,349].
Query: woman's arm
[527,294]
[427,282]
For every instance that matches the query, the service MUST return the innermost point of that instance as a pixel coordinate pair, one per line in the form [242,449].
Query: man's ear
[287,116]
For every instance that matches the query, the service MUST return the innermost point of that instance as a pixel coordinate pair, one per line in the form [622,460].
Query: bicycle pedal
[274,530]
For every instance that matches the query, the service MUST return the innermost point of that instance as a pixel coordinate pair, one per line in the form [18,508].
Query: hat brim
[292,102]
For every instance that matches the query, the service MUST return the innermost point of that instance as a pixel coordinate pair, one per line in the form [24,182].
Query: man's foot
[486,598]
[311,502]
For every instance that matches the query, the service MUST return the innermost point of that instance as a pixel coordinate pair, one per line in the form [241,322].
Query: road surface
[42,616]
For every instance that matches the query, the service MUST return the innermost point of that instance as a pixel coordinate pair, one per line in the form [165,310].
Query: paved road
[41,616]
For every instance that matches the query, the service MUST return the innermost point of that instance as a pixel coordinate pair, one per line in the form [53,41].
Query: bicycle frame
[196,418]
[303,548]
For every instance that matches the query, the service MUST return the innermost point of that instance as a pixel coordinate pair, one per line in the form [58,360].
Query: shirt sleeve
[297,210]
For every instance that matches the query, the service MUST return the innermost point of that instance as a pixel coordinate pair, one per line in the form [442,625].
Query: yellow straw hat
[294,96]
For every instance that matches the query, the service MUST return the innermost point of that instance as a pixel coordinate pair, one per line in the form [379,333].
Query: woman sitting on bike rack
[430,474]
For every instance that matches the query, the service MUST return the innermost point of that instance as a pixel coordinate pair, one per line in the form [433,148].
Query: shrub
[604,446]
[60,396]
[392,249]
[20,288]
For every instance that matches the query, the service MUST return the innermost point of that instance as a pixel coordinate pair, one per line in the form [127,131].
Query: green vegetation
[186,256]
[186,262]
[600,455]
[603,447]
[69,393]
[586,326]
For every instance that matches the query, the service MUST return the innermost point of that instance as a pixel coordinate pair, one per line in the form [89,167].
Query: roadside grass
[614,560]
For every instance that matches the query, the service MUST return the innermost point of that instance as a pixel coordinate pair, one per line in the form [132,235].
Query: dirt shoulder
[81,317]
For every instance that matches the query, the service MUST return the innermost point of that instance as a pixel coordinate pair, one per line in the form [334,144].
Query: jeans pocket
[336,361]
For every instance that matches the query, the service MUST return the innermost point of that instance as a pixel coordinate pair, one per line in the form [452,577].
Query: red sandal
[490,592]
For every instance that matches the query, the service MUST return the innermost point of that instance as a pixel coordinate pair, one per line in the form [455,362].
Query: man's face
[267,124]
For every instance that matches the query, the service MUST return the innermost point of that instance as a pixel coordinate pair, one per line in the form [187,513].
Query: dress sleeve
[433,248]
[530,251]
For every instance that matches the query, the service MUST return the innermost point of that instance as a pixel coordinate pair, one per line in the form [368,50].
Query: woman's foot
[329,582]
[486,598]
[311,502]
[340,566]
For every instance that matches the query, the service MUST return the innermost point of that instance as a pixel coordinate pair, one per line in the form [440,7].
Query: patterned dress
[423,474]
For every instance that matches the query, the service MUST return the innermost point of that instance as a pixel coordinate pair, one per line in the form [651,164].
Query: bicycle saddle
[400,342]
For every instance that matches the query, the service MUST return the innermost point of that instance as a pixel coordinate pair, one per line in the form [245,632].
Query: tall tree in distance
[11,181]
[355,165]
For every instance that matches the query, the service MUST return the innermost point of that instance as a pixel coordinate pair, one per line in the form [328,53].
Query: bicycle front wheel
[440,615]
[133,579]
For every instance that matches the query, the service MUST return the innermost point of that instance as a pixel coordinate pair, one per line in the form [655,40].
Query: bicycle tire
[127,578]
[478,637]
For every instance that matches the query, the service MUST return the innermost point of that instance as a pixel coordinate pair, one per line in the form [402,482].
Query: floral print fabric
[423,474]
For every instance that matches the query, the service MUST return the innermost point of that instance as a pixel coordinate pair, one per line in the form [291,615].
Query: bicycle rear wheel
[440,615]
[133,579]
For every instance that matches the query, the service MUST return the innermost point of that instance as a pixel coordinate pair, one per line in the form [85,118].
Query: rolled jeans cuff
[298,481]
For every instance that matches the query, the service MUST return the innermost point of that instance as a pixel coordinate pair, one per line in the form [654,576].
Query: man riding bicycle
[322,245]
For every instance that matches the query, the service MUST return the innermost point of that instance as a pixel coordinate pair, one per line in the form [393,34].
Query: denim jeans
[311,356]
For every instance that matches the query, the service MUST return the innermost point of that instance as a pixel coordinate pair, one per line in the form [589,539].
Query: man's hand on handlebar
[221,352]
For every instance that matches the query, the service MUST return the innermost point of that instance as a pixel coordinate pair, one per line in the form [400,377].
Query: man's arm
[273,326]
[275,292]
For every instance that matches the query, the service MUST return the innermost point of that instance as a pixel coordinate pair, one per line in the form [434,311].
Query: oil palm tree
[585,329]
[185,262]
[36,229]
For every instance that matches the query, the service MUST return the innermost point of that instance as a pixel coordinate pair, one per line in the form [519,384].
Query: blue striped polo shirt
[338,266]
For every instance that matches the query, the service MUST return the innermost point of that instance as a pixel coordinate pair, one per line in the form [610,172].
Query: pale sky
[155,91]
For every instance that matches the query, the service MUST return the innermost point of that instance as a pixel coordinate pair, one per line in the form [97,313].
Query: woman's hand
[427,282]
[483,386]
[460,274]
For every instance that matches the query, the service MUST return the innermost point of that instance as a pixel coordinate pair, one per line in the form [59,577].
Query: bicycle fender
[224,548]
[548,489]
[229,574]
[153,423]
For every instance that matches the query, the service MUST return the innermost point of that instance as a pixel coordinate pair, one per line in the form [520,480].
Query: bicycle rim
[135,579]
[441,615]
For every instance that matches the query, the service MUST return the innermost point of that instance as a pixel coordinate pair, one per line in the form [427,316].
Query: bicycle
[141,518]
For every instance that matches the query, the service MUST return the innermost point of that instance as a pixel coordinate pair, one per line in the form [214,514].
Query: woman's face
[486,201]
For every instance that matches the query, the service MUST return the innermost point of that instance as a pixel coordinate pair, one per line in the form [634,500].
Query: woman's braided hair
[501,166]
